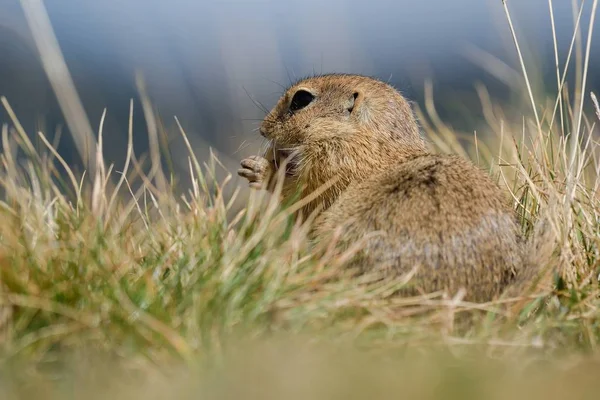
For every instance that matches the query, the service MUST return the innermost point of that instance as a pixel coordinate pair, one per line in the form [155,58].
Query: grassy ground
[112,289]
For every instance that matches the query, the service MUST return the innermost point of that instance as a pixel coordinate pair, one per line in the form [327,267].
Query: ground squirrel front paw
[257,170]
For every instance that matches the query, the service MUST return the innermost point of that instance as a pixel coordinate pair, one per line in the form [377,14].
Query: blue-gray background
[202,60]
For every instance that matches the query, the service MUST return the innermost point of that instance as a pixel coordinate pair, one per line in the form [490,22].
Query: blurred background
[210,62]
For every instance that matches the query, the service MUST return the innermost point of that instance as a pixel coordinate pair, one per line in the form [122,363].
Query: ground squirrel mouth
[289,157]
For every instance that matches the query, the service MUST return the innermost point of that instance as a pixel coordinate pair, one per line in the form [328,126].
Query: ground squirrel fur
[439,213]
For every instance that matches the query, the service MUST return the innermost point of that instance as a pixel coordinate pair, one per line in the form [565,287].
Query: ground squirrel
[439,213]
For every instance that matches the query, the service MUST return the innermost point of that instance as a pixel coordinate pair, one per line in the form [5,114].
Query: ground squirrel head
[337,106]
[339,126]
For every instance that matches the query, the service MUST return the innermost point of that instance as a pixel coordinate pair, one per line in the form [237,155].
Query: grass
[115,277]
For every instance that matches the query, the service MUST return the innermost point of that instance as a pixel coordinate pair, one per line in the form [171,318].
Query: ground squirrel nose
[262,132]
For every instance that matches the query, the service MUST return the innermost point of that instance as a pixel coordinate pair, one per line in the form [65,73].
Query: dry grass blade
[523,68]
[156,169]
[60,79]
[596,106]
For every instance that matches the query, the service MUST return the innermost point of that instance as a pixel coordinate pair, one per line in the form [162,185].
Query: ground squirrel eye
[301,99]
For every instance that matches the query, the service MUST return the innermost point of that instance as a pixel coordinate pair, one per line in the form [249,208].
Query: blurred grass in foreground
[294,369]
[109,287]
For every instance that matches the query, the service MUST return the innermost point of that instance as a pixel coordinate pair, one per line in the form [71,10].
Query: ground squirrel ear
[353,102]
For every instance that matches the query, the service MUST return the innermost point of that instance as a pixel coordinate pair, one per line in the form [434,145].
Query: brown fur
[439,213]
